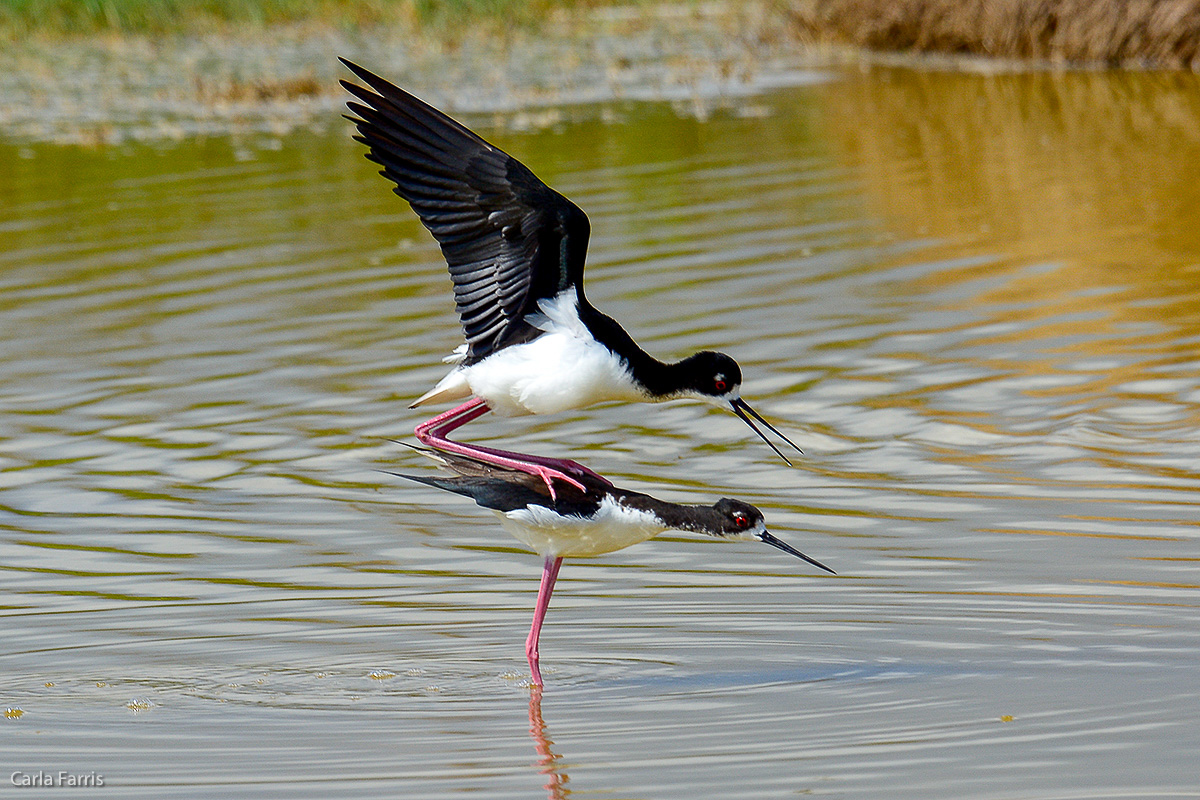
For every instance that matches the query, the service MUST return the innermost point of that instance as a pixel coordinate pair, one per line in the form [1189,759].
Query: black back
[503,489]
[509,239]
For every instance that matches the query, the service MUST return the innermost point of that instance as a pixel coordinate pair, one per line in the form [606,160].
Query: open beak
[787,548]
[742,409]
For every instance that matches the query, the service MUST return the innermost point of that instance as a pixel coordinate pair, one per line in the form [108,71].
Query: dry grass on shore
[1162,34]
[66,18]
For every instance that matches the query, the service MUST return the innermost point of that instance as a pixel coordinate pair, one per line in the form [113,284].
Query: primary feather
[509,239]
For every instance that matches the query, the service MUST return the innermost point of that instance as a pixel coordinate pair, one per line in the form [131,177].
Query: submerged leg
[433,433]
[549,575]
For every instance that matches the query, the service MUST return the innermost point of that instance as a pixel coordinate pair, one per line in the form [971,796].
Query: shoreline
[106,89]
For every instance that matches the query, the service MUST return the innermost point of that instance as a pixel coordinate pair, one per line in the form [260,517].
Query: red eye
[741,520]
[720,385]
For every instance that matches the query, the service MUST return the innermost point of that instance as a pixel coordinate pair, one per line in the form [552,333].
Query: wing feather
[509,240]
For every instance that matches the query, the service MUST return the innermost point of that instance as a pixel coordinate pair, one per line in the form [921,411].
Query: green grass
[81,17]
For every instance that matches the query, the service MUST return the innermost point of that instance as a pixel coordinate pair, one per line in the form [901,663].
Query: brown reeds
[1161,34]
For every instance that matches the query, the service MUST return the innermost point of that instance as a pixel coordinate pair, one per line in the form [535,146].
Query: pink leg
[433,433]
[549,576]
[439,426]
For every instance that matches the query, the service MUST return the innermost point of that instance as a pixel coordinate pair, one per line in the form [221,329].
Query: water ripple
[210,587]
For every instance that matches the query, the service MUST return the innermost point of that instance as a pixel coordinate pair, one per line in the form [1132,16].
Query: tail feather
[467,487]
[488,492]
[465,466]
[451,387]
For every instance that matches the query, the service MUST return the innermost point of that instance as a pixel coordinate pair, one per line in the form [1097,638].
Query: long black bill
[742,408]
[787,548]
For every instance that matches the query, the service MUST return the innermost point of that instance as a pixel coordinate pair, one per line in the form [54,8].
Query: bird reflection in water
[548,760]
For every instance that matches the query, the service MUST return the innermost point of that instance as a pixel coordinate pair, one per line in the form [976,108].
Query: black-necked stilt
[597,519]
[516,248]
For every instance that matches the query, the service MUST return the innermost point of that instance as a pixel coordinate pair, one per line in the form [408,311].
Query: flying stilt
[516,250]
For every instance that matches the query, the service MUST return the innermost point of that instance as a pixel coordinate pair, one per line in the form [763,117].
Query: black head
[711,376]
[739,520]
[717,378]
[743,521]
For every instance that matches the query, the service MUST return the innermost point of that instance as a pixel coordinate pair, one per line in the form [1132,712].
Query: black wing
[509,239]
[506,489]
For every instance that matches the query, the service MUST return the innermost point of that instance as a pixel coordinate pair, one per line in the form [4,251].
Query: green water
[973,300]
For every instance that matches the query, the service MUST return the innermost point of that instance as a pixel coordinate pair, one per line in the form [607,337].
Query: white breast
[562,369]
[549,534]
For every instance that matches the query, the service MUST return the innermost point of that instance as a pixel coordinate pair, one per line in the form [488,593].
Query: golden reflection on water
[1065,208]
[1091,174]
[1097,167]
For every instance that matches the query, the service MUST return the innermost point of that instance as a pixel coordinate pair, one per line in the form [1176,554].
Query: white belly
[548,534]
[562,369]
[555,372]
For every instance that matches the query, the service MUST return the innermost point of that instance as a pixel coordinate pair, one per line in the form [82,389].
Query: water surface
[973,300]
